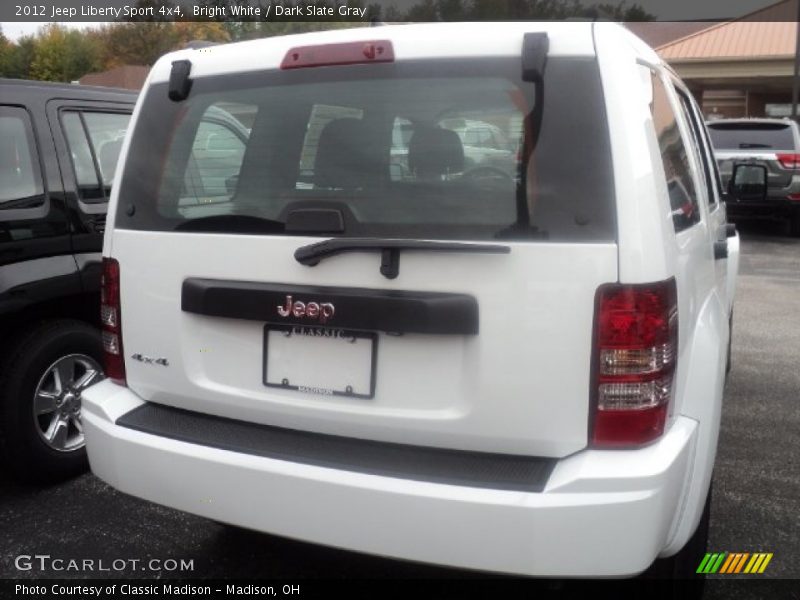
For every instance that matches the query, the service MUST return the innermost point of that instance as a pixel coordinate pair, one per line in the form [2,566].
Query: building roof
[658,33]
[758,35]
[131,77]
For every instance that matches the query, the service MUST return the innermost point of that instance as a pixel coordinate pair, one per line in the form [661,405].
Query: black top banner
[65,11]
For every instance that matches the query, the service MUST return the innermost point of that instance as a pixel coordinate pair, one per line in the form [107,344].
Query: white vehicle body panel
[705,287]
[466,392]
[643,213]
[410,43]
[592,497]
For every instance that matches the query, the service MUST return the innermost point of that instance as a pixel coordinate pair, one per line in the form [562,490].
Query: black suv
[59,145]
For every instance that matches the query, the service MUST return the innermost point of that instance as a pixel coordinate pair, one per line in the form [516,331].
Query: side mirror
[748,182]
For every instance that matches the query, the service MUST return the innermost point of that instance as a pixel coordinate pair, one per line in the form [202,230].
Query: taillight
[636,347]
[789,161]
[328,55]
[110,319]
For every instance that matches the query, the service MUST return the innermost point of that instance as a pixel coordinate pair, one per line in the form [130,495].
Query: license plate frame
[325,332]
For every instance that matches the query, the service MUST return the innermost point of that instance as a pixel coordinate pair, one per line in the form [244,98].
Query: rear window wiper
[26,202]
[243,224]
[390,250]
[753,145]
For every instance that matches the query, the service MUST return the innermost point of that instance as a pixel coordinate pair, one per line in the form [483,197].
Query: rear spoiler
[534,56]
[179,82]
[534,60]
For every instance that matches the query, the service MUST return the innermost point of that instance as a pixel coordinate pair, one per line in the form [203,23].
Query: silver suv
[773,144]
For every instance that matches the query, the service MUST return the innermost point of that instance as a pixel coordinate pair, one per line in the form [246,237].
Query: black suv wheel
[41,435]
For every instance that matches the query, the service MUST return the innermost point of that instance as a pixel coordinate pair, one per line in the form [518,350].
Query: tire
[47,446]
[794,223]
[677,575]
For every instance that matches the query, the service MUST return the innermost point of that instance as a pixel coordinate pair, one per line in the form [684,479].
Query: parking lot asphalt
[756,502]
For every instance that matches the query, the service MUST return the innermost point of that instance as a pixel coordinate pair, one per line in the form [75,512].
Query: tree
[623,12]
[210,31]
[5,50]
[479,10]
[425,10]
[17,59]
[63,55]
[139,43]
[451,10]
[242,30]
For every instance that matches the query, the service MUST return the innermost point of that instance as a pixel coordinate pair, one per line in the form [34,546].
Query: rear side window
[752,136]
[675,158]
[709,164]
[698,144]
[94,140]
[418,149]
[20,175]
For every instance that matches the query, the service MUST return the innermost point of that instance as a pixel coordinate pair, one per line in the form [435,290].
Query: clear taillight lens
[108,316]
[636,345]
[636,362]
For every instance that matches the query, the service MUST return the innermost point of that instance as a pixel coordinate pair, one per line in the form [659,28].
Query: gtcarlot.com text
[46,562]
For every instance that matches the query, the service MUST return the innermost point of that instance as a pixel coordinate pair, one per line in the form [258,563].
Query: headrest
[433,152]
[344,159]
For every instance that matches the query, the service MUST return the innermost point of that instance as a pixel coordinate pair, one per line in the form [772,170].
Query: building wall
[745,103]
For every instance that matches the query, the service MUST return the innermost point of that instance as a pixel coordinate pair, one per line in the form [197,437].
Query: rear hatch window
[413,149]
[751,136]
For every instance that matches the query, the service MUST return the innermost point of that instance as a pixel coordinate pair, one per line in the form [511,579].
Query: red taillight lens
[636,347]
[328,55]
[789,161]
[110,320]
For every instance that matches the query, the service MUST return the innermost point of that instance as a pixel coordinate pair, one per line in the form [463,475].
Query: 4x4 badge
[315,311]
[149,360]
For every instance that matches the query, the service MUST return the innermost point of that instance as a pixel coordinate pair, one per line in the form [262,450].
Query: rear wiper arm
[26,202]
[753,145]
[390,250]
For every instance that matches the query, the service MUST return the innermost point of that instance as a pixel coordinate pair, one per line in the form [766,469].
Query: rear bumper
[602,513]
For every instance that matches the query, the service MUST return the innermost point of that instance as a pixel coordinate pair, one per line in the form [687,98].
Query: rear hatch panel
[493,351]
[520,385]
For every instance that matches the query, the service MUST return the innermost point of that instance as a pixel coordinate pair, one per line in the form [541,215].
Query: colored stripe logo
[734,562]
